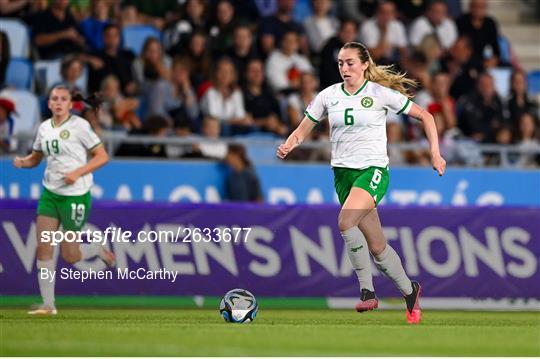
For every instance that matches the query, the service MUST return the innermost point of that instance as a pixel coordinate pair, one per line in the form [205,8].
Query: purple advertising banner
[478,252]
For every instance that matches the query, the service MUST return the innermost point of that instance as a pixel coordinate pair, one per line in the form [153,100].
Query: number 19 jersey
[66,148]
[357,122]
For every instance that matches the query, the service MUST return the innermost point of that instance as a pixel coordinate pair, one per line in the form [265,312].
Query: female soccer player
[356,109]
[65,140]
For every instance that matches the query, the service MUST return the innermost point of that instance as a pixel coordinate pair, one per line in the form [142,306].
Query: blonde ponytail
[383,75]
[386,76]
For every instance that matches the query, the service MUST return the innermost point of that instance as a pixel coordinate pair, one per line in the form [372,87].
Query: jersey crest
[366,102]
[64,134]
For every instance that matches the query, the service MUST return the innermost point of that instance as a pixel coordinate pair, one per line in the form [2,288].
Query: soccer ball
[238,306]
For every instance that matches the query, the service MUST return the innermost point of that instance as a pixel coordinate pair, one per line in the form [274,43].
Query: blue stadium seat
[47,73]
[27,109]
[533,82]
[134,36]
[505,50]
[19,73]
[18,36]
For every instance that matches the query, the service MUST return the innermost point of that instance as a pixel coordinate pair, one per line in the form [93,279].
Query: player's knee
[345,222]
[376,248]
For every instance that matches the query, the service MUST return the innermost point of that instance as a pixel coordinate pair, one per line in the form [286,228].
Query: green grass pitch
[193,332]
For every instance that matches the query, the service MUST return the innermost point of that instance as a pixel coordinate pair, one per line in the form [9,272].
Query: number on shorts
[77,213]
[376,179]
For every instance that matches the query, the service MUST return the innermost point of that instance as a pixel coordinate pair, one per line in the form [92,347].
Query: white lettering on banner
[148,193]
[314,196]
[14,190]
[124,193]
[96,191]
[96,263]
[137,251]
[403,197]
[459,198]
[529,264]
[409,251]
[212,195]
[490,199]
[453,261]
[222,253]
[2,192]
[25,251]
[35,191]
[281,195]
[185,192]
[305,249]
[490,254]
[168,250]
[430,197]
[253,245]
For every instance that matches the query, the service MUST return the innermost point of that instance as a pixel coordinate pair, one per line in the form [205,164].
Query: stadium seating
[27,115]
[134,36]
[19,73]
[47,74]
[502,75]
[533,80]
[18,35]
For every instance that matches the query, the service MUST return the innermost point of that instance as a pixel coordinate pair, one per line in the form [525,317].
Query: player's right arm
[30,161]
[296,138]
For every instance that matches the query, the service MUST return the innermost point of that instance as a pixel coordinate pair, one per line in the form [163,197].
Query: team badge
[367,102]
[64,134]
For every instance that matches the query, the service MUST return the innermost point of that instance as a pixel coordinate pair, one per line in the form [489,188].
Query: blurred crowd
[231,68]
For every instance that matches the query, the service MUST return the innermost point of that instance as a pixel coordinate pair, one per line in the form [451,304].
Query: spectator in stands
[181,102]
[55,32]
[418,69]
[460,68]
[243,50]
[117,111]
[328,69]
[193,19]
[433,51]
[481,114]
[442,103]
[200,61]
[224,102]
[210,146]
[112,60]
[260,103]
[5,56]
[221,31]
[410,9]
[482,30]
[7,107]
[519,101]
[434,22]
[394,135]
[273,28]
[71,70]
[153,72]
[528,138]
[242,183]
[320,26]
[92,27]
[92,116]
[297,102]
[157,126]
[154,13]
[357,11]
[22,9]
[284,66]
[385,36]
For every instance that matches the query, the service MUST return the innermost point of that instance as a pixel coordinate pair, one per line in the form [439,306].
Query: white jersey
[66,148]
[358,122]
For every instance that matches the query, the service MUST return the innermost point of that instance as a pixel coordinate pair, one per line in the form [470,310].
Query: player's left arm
[99,159]
[439,164]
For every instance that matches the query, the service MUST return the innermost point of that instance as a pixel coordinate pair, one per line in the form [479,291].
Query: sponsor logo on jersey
[332,104]
[367,102]
[64,134]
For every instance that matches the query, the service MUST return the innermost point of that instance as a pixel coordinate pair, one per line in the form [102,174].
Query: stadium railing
[466,150]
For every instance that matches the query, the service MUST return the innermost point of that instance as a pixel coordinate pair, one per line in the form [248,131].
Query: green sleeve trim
[94,146]
[404,106]
[310,117]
